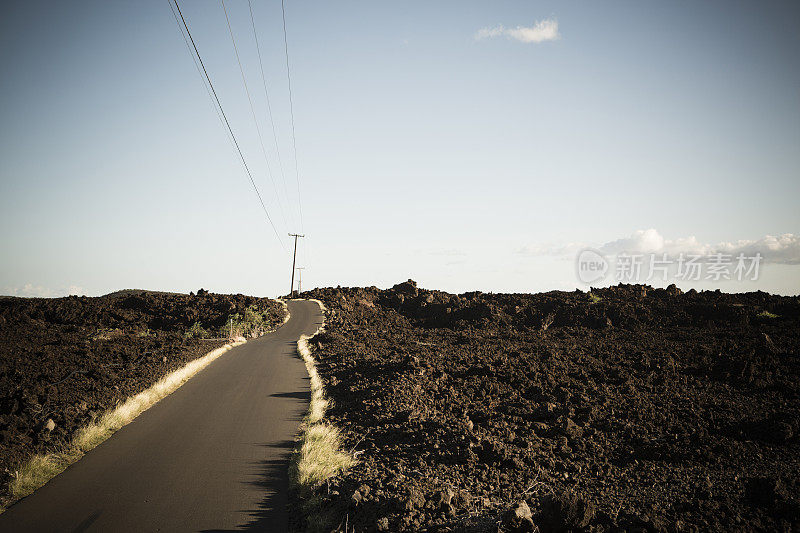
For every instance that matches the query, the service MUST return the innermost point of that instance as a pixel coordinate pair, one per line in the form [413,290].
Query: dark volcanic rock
[632,408]
[565,512]
[65,360]
[407,288]
[519,519]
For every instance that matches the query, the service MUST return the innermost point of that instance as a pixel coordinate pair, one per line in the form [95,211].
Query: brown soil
[627,409]
[67,360]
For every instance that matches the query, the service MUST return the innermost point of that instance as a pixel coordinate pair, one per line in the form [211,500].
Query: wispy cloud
[37,291]
[541,31]
[775,249]
[552,249]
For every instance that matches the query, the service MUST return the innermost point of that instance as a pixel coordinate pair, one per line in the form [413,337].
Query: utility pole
[300,279]
[294,260]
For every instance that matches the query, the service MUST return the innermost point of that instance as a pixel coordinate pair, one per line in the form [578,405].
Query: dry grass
[39,470]
[320,455]
[42,468]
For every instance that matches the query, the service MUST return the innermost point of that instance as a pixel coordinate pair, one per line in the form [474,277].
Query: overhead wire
[269,105]
[291,113]
[199,72]
[227,123]
[253,112]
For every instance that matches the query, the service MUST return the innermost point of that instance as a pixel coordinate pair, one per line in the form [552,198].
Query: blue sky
[427,148]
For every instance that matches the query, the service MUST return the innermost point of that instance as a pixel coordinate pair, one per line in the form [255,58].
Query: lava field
[627,408]
[63,361]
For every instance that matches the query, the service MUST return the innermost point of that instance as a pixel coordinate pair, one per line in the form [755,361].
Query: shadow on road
[272,475]
[300,395]
[83,526]
[273,480]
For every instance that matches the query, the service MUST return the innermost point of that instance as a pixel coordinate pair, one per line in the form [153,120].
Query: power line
[228,124]
[291,111]
[269,106]
[253,112]
[199,72]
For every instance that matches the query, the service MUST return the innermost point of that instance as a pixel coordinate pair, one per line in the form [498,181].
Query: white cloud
[781,249]
[642,241]
[775,249]
[37,291]
[32,291]
[77,291]
[541,31]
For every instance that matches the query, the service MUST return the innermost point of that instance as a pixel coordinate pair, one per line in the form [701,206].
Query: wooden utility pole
[300,279]
[294,260]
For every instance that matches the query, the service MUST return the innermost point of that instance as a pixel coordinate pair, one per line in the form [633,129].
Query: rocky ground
[623,409]
[64,361]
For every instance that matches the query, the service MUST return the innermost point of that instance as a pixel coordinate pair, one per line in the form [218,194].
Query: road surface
[212,456]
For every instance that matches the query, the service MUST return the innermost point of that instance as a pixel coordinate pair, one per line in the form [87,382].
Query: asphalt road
[212,456]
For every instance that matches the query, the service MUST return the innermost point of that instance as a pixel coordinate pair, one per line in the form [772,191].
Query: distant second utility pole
[294,259]
[300,279]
